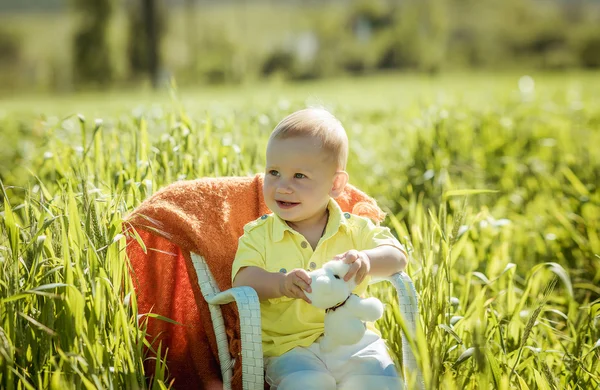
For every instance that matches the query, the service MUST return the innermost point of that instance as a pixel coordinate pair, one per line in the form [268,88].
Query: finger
[304,276]
[302,284]
[341,256]
[351,256]
[351,271]
[305,298]
[295,291]
[361,274]
[298,293]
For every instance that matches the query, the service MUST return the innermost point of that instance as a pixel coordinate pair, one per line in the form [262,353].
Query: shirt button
[312,265]
[264,216]
[347,215]
[283,270]
[304,244]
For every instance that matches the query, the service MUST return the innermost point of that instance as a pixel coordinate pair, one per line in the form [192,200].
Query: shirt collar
[336,221]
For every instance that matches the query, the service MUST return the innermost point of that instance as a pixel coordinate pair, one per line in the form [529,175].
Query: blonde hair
[318,123]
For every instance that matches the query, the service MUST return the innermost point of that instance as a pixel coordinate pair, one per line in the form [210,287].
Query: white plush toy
[345,312]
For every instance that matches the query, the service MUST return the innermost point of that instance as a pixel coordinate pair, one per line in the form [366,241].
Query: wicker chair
[250,326]
[174,224]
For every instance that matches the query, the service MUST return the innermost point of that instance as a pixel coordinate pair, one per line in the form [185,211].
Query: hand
[295,283]
[360,264]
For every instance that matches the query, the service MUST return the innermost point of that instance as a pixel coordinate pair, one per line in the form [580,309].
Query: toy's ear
[340,268]
[337,267]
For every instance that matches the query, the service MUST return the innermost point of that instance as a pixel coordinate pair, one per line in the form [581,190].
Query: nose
[283,187]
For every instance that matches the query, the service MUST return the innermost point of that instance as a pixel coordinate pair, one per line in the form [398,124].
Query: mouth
[286,205]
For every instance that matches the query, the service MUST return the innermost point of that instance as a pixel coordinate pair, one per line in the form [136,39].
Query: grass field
[490,180]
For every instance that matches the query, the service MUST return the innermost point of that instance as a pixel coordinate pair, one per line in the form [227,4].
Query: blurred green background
[474,123]
[69,45]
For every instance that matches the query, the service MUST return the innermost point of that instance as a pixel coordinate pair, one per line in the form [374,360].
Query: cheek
[301,187]
[268,187]
[308,188]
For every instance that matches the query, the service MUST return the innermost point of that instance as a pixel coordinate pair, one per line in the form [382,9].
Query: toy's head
[328,285]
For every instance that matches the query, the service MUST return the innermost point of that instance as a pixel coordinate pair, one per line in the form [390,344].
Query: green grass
[507,274]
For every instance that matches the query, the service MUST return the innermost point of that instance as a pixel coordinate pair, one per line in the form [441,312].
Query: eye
[273,172]
[299,175]
[336,276]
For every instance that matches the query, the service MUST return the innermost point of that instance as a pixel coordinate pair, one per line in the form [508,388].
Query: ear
[340,179]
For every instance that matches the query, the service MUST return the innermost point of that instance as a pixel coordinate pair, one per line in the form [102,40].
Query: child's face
[299,179]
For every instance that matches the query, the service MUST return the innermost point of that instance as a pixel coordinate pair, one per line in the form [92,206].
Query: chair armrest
[408,305]
[250,327]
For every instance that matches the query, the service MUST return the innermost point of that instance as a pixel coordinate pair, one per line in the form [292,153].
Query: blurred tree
[190,25]
[10,59]
[91,52]
[371,14]
[590,52]
[146,28]
[432,34]
[420,35]
[573,11]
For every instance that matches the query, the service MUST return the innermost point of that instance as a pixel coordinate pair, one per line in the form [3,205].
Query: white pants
[362,366]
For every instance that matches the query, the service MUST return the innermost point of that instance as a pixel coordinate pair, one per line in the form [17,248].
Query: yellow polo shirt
[269,243]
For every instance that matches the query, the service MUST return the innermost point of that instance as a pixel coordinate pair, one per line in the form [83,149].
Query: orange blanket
[204,216]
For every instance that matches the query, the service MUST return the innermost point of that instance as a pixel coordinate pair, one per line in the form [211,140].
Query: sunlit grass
[496,199]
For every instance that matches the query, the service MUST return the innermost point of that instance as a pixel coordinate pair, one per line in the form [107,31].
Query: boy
[306,162]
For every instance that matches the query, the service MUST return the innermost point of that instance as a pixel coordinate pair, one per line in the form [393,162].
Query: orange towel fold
[207,217]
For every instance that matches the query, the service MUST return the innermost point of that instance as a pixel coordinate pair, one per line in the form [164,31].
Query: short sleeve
[374,236]
[250,253]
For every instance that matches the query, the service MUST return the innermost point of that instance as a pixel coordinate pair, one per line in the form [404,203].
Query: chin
[288,216]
